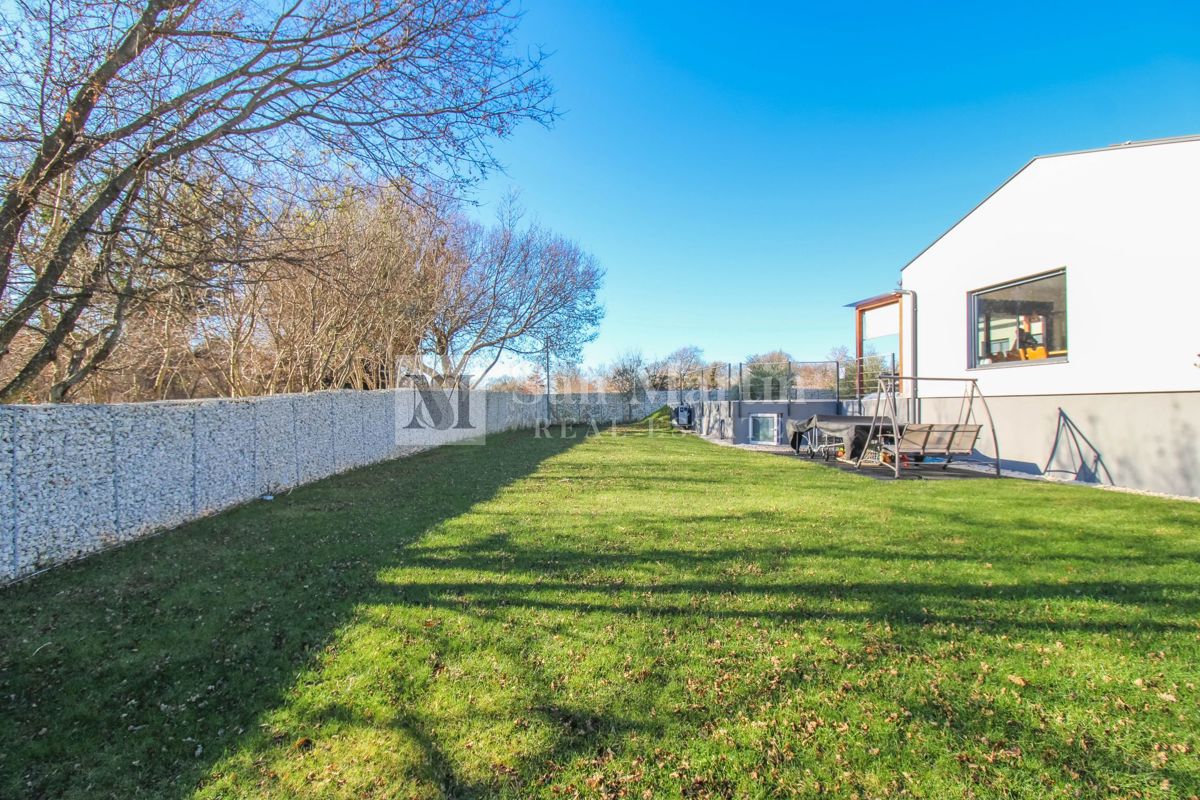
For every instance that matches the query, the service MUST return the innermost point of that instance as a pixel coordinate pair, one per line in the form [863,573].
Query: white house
[1070,294]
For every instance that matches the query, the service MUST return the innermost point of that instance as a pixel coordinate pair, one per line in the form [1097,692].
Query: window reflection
[1023,321]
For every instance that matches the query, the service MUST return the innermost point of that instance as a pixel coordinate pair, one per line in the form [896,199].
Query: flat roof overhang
[877,300]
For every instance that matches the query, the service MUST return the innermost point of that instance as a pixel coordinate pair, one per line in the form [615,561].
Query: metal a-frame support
[887,391]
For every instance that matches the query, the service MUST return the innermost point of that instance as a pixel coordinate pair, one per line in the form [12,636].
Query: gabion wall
[75,479]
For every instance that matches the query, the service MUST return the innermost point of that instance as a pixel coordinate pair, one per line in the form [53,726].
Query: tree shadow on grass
[576,732]
[498,578]
[1047,581]
[130,673]
[342,624]
[1135,609]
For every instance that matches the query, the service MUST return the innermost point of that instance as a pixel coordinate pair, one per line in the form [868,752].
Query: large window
[1021,321]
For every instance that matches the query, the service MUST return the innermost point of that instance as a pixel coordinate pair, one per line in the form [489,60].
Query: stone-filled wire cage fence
[76,479]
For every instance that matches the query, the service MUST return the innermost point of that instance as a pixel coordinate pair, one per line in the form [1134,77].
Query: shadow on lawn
[131,673]
[508,579]
[573,581]
[138,671]
[578,732]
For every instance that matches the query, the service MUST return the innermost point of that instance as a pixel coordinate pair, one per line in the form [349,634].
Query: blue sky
[742,173]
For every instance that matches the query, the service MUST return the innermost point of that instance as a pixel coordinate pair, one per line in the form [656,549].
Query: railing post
[788,388]
[741,387]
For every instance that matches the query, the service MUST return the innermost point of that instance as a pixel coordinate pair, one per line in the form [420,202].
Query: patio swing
[895,444]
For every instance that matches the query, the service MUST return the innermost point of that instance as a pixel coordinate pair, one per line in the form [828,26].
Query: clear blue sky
[744,170]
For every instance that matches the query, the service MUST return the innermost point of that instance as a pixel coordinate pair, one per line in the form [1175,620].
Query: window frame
[861,310]
[775,420]
[973,322]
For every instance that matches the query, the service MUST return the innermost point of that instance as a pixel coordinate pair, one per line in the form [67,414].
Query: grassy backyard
[627,615]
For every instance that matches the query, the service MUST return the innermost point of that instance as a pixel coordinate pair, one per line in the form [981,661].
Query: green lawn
[627,615]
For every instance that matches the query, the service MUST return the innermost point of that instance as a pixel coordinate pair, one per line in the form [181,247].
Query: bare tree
[184,242]
[685,366]
[533,383]
[658,375]
[343,318]
[715,375]
[512,289]
[104,102]
[339,290]
[626,376]
[819,375]
[571,379]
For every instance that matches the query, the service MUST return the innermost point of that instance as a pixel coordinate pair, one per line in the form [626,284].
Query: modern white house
[1071,295]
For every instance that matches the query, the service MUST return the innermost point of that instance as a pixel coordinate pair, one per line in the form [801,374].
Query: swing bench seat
[921,439]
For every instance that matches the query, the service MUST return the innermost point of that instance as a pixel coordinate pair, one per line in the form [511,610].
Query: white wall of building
[1125,223]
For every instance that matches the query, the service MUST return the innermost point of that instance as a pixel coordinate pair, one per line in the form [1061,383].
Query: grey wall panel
[152,467]
[65,496]
[494,411]
[276,467]
[1145,441]
[224,452]
[379,415]
[8,521]
[314,422]
[730,420]
[603,409]
[347,432]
